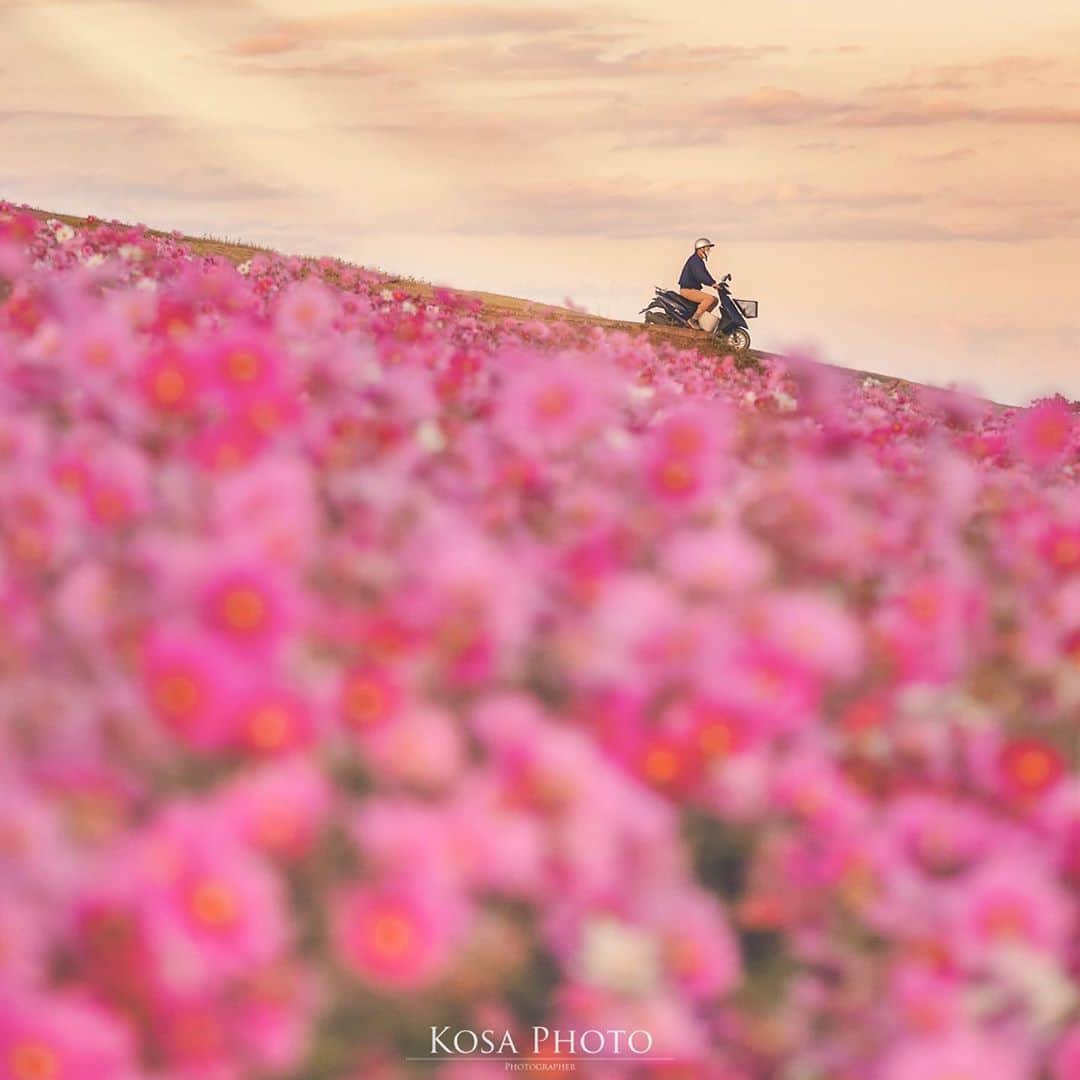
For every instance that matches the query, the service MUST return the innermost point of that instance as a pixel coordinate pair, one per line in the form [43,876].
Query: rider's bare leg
[705,301]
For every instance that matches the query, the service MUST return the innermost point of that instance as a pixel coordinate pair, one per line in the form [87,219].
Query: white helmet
[704,242]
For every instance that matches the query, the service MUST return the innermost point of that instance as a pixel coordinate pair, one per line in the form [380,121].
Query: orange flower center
[169,386]
[683,957]
[684,439]
[391,935]
[177,695]
[108,505]
[553,402]
[661,765]
[34,1061]
[269,726]
[365,702]
[243,609]
[70,478]
[1066,552]
[243,365]
[264,415]
[924,606]
[276,828]
[1005,920]
[1033,768]
[98,354]
[717,739]
[1051,433]
[213,904]
[677,476]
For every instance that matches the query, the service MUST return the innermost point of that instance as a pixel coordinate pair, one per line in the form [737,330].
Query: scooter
[726,321]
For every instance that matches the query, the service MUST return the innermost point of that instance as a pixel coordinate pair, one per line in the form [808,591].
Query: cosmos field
[368,664]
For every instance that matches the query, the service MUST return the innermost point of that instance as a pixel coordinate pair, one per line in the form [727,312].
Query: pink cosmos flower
[939,836]
[698,947]
[246,604]
[397,937]
[553,405]
[305,309]
[685,453]
[117,487]
[813,632]
[1042,433]
[272,506]
[100,349]
[1060,547]
[1010,901]
[423,748]
[241,365]
[720,560]
[22,946]
[1066,1063]
[1029,768]
[189,684]
[280,809]
[207,906]
[55,1036]
[172,383]
[369,698]
[269,720]
[927,1002]
[961,1054]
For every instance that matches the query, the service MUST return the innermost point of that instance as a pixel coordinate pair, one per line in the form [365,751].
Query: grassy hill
[494,305]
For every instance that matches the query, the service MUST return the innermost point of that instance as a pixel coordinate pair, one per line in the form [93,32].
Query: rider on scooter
[695,275]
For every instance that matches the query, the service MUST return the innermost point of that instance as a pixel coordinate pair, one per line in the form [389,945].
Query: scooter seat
[680,301]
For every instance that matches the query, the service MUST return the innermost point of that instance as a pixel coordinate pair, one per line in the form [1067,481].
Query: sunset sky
[896,183]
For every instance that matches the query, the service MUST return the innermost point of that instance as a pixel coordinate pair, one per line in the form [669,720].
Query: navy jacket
[695,273]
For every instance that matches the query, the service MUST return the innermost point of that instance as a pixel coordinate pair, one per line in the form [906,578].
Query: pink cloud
[411,24]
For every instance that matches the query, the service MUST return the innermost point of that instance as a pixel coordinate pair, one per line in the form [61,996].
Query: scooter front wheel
[738,340]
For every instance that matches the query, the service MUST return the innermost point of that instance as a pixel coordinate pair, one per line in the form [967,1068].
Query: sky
[895,183]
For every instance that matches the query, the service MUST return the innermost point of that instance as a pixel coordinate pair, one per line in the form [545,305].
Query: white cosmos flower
[620,957]
[430,436]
